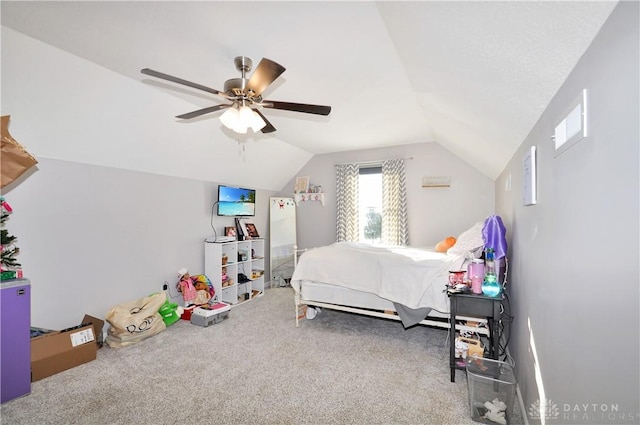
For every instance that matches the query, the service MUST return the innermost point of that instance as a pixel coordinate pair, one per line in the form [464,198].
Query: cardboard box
[55,351]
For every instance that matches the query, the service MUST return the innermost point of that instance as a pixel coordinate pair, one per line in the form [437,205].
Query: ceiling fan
[245,96]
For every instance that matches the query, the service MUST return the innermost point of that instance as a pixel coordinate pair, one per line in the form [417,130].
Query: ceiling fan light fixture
[230,118]
[257,123]
[246,116]
[240,119]
[240,130]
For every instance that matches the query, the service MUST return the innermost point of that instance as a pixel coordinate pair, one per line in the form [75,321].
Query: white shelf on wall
[307,197]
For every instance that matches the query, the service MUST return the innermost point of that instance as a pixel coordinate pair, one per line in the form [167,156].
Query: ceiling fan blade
[173,79]
[265,74]
[269,128]
[297,107]
[202,111]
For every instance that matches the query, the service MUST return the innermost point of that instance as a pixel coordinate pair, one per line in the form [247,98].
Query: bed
[394,282]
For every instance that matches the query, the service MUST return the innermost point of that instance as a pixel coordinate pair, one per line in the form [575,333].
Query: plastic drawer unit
[210,314]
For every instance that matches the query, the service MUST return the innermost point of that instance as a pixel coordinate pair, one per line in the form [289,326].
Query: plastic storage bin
[492,390]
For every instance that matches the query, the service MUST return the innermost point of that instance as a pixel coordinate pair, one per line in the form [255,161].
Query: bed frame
[344,299]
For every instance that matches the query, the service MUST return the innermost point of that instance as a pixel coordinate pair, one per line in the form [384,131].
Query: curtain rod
[378,162]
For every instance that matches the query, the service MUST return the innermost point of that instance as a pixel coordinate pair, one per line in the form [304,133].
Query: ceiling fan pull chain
[240,146]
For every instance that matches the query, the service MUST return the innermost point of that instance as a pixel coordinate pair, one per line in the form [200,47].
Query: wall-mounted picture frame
[230,231]
[302,184]
[251,230]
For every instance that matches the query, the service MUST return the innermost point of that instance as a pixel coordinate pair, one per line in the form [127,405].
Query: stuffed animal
[201,286]
[170,312]
[202,297]
[226,280]
[202,283]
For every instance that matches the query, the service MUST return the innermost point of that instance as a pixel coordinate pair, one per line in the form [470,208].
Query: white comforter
[409,276]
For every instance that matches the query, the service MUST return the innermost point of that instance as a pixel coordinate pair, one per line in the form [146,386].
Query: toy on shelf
[226,280]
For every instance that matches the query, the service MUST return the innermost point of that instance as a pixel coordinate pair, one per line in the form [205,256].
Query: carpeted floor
[257,367]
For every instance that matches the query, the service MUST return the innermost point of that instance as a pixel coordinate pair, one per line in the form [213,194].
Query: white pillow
[468,240]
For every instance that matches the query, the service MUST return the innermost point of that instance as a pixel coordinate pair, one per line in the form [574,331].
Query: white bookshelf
[242,258]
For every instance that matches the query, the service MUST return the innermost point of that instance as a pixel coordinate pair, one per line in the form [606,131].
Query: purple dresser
[15,339]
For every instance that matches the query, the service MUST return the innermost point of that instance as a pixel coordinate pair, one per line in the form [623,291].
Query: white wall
[434,213]
[574,275]
[91,237]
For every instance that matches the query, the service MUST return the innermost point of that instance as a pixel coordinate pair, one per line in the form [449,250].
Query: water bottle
[490,285]
[475,273]
[490,260]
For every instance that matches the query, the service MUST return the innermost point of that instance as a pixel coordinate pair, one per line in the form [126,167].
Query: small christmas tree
[9,250]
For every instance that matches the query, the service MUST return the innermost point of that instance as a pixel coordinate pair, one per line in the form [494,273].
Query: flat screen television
[236,201]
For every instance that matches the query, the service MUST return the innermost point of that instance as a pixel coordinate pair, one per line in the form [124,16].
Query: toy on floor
[202,283]
[495,411]
[312,312]
[170,312]
[196,289]
[185,286]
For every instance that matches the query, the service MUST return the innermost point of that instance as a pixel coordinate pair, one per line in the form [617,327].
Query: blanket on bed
[412,277]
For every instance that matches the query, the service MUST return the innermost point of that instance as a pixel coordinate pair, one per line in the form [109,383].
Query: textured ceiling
[472,76]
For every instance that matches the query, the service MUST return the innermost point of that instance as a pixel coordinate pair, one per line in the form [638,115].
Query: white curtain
[395,230]
[347,223]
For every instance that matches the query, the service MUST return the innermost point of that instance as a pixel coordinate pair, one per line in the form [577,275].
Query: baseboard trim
[523,411]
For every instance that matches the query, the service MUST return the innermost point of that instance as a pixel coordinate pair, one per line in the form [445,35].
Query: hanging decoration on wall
[15,160]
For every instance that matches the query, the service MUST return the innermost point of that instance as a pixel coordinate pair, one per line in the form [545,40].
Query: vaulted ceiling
[472,76]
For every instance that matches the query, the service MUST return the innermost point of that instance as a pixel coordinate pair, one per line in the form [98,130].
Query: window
[385,182]
[370,204]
